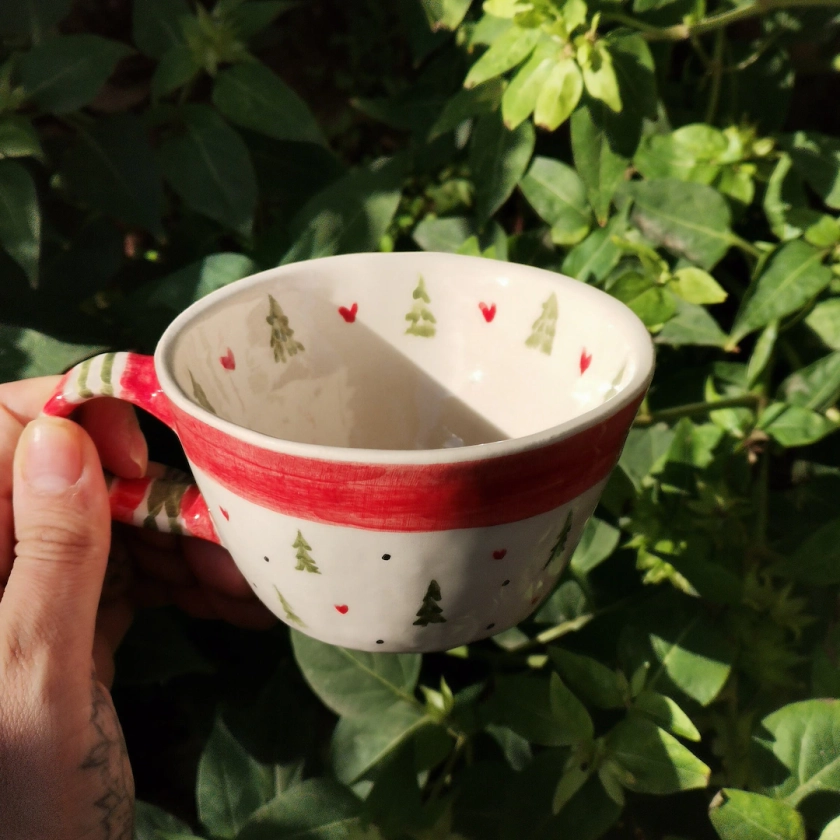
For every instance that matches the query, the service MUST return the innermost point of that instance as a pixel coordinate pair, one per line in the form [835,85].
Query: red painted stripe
[196,517]
[432,497]
[139,385]
[126,495]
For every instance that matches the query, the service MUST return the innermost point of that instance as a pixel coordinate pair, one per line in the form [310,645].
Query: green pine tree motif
[543,329]
[165,495]
[560,545]
[283,342]
[430,612]
[422,322]
[290,615]
[305,562]
[200,396]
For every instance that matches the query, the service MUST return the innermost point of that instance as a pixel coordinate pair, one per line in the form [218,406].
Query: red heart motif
[342,608]
[498,555]
[349,315]
[489,312]
[224,513]
[585,361]
[228,362]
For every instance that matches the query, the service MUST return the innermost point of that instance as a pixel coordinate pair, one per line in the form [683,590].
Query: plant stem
[744,245]
[716,69]
[684,31]
[692,409]
[452,759]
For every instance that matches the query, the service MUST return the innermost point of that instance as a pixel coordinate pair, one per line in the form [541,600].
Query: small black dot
[253,584]
[505,583]
[491,625]
[380,641]
[266,559]
[386,556]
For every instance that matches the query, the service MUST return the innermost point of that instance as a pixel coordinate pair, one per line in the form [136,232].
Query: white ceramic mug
[400,451]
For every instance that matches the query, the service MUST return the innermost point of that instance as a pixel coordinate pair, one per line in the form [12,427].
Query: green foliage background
[683,155]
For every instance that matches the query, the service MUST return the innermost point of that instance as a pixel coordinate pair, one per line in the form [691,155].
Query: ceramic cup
[400,451]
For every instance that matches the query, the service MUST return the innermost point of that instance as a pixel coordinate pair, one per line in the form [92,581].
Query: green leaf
[33,18]
[597,255]
[817,157]
[20,218]
[350,215]
[156,25]
[805,738]
[112,168]
[664,712]
[651,302]
[558,195]
[498,158]
[785,201]
[690,220]
[601,168]
[153,823]
[815,386]
[543,711]
[208,165]
[692,654]
[250,18]
[697,286]
[817,560]
[762,353]
[360,743]
[28,353]
[65,73]
[653,760]
[690,153]
[516,749]
[593,681]
[600,79]
[511,48]
[645,452]
[177,67]
[231,784]
[567,603]
[634,69]
[18,138]
[318,809]
[794,275]
[831,831]
[352,683]
[692,324]
[824,320]
[254,97]
[792,425]
[739,815]
[559,94]
[465,105]
[598,542]
[445,14]
[520,96]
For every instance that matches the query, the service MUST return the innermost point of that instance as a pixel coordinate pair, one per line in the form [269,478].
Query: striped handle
[171,503]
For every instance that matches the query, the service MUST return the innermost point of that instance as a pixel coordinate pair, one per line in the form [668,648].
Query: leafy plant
[674,153]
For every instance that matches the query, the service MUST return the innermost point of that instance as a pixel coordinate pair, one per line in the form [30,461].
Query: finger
[10,432]
[214,568]
[114,428]
[163,564]
[63,530]
[26,397]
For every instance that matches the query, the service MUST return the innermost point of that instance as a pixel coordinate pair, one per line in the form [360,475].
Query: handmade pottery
[400,451]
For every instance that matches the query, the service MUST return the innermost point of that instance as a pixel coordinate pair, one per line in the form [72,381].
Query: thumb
[63,533]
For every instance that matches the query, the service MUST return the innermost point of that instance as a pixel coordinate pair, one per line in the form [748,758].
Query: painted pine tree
[287,610]
[200,396]
[430,612]
[560,545]
[422,322]
[543,329]
[305,563]
[166,496]
[283,342]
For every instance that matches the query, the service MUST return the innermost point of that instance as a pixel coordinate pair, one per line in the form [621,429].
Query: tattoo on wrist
[108,758]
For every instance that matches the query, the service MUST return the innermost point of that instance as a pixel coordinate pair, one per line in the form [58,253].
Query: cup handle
[170,503]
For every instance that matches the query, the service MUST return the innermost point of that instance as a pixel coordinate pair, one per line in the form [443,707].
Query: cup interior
[411,351]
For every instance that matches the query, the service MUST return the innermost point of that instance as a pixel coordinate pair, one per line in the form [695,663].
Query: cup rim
[635,330]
